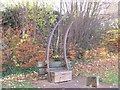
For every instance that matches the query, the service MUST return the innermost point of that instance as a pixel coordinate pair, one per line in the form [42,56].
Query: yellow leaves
[103,54]
[110,39]
[16,63]
[21,41]
[56,56]
[19,78]
[100,52]
[25,36]
[86,55]
[112,31]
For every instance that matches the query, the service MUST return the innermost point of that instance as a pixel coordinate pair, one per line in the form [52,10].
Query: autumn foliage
[20,50]
[79,54]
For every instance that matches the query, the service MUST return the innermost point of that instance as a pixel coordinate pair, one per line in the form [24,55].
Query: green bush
[15,16]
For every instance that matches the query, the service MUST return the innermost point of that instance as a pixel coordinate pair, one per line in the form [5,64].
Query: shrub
[20,50]
[15,16]
[110,39]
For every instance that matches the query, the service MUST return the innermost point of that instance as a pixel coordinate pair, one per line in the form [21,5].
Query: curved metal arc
[48,48]
[65,40]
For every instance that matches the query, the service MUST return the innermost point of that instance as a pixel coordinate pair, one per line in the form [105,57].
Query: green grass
[111,78]
[16,84]
[18,71]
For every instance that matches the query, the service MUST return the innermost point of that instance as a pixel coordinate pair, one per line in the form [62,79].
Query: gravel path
[77,82]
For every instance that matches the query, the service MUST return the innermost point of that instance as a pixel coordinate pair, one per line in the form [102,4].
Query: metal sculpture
[48,47]
[65,39]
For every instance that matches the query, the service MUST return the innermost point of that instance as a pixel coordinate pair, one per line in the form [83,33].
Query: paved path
[77,82]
